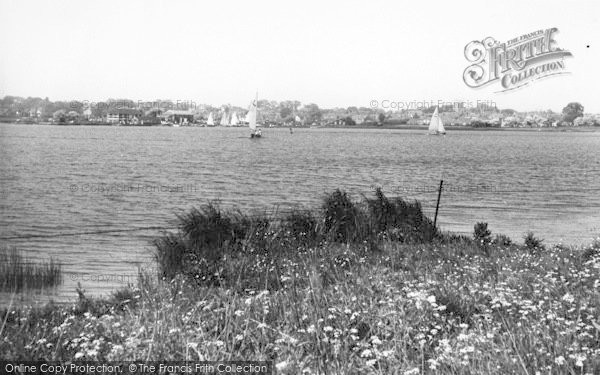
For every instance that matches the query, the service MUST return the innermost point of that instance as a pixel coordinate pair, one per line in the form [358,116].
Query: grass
[18,273]
[393,296]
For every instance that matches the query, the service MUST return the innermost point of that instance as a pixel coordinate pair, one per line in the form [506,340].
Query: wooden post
[437,206]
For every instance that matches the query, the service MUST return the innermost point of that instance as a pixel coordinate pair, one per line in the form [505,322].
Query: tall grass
[17,273]
[314,298]
[228,248]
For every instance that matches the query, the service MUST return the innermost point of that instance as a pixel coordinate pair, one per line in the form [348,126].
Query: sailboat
[234,120]
[224,120]
[251,117]
[436,126]
[210,121]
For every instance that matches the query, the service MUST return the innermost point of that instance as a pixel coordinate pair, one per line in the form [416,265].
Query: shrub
[343,220]
[207,228]
[481,233]
[533,243]
[401,220]
[592,251]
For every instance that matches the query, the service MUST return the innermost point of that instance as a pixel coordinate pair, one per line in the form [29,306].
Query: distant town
[288,113]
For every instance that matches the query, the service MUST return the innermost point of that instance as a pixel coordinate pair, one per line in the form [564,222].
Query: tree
[312,113]
[381,118]
[572,111]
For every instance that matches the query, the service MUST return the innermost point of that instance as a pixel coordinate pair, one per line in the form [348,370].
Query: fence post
[437,205]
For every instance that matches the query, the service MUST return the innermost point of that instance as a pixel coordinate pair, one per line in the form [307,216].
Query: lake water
[57,181]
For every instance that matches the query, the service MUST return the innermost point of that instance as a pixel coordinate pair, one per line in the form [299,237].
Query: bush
[533,243]
[592,251]
[343,220]
[230,249]
[481,233]
[400,220]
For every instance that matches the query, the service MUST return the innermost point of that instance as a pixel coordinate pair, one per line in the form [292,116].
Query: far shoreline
[361,127]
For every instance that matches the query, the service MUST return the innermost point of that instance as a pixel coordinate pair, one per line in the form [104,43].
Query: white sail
[224,120]
[211,120]
[440,128]
[435,124]
[234,120]
[251,116]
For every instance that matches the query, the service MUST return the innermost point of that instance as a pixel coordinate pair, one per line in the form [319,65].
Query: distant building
[124,116]
[87,113]
[178,116]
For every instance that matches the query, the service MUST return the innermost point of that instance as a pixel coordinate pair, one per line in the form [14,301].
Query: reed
[18,273]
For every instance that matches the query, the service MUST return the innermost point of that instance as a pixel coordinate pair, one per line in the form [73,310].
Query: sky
[332,53]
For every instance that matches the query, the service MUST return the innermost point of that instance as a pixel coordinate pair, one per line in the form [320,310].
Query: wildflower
[568,298]
[281,366]
[371,362]
[414,371]
[579,360]
[366,353]
[78,355]
[375,340]
[560,360]
[433,364]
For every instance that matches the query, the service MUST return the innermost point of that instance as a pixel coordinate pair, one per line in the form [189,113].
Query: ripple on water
[516,181]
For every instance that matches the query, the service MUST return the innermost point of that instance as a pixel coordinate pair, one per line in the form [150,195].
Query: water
[71,179]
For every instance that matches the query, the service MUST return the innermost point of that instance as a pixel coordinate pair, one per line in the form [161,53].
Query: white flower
[78,355]
[281,366]
[414,371]
[375,340]
[433,364]
[560,360]
[568,298]
[366,353]
[579,360]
